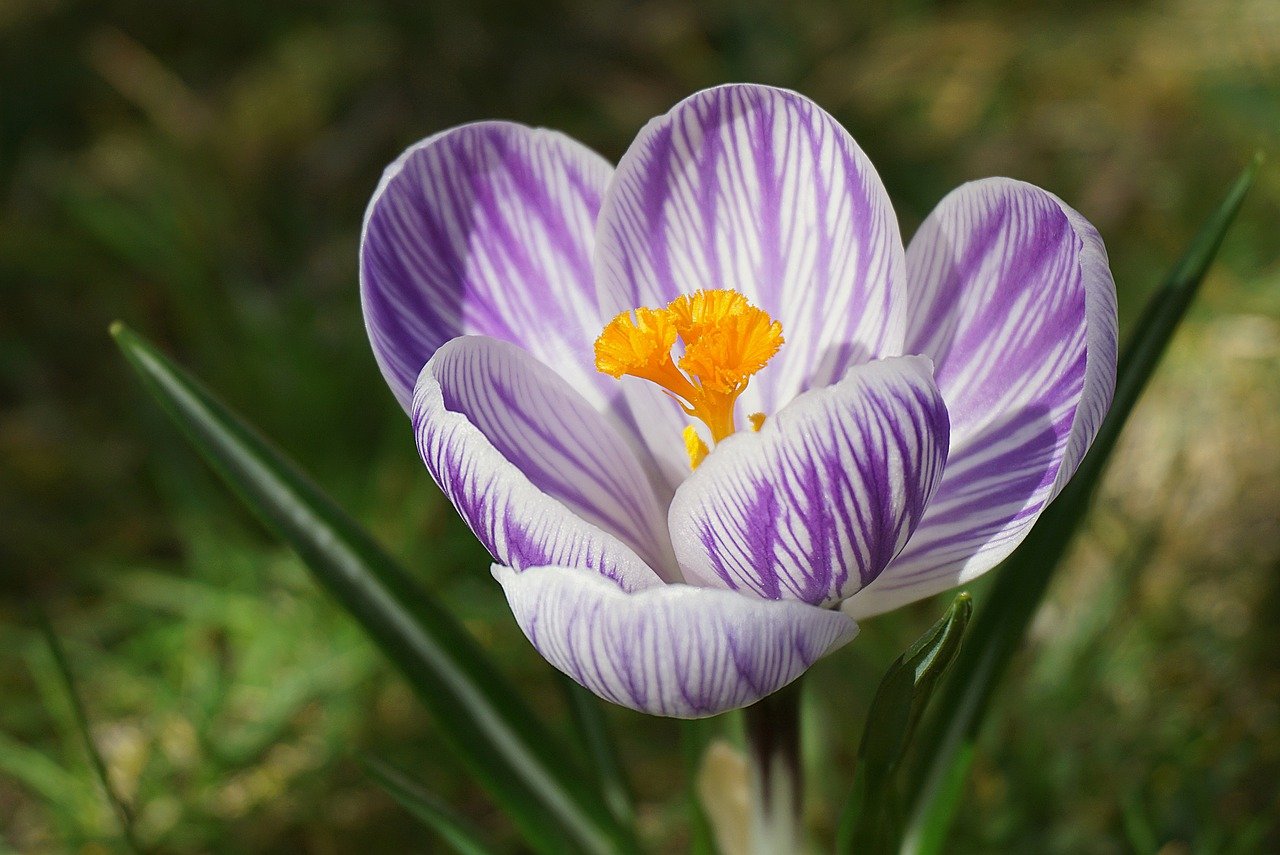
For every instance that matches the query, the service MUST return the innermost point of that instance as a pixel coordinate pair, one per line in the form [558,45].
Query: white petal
[538,475]
[1012,298]
[671,650]
[486,229]
[816,505]
[759,190]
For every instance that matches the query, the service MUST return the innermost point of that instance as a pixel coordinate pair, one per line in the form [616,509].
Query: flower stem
[773,745]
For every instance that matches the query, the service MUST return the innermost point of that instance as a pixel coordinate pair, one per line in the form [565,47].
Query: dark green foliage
[455,830]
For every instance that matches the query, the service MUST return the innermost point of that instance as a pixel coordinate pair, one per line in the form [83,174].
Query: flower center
[725,340]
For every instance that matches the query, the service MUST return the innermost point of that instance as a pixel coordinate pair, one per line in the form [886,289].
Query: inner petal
[549,435]
[758,190]
[815,504]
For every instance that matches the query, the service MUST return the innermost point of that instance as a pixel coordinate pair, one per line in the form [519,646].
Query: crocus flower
[703,409]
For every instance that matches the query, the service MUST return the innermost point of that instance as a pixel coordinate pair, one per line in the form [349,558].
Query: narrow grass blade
[1023,579]
[872,821]
[593,731]
[99,765]
[526,770]
[459,834]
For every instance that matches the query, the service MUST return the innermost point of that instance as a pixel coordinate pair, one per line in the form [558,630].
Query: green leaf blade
[503,744]
[1022,580]
[453,829]
[871,821]
[80,716]
[589,723]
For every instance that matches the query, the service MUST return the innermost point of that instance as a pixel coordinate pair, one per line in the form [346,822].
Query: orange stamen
[726,340]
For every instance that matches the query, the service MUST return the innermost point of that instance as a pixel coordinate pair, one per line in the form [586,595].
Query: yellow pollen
[725,341]
[757,421]
[694,446]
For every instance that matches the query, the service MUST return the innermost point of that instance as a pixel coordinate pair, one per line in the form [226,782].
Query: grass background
[200,170]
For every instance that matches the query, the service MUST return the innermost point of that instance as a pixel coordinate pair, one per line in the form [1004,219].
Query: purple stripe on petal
[817,503]
[485,229]
[1012,298]
[758,190]
[538,475]
[671,650]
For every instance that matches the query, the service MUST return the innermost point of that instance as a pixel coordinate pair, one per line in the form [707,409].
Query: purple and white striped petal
[820,500]
[539,475]
[1012,298]
[759,190]
[671,650]
[485,229]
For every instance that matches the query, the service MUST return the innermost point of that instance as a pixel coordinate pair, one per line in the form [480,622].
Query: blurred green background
[200,171]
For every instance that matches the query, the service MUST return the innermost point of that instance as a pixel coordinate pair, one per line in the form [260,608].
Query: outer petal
[671,650]
[818,502]
[759,190]
[538,475]
[1013,300]
[485,229]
